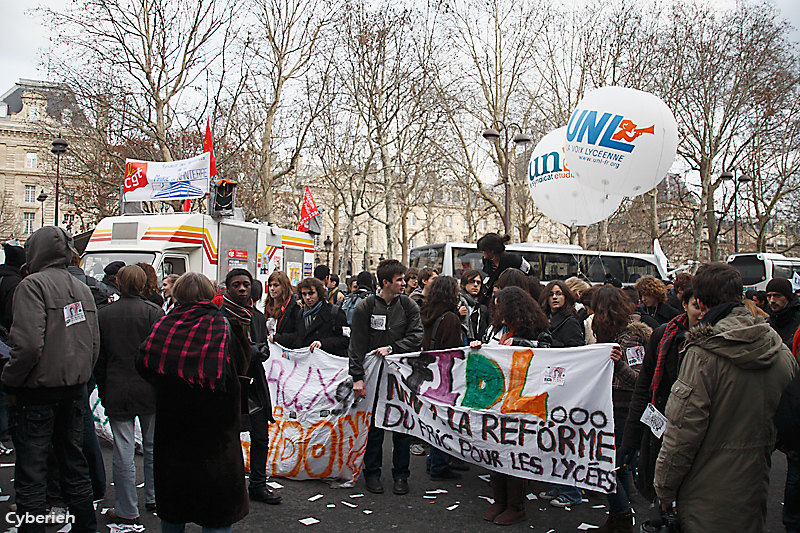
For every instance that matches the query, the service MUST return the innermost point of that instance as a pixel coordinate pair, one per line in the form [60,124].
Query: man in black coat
[784,309]
[9,279]
[322,322]
[237,302]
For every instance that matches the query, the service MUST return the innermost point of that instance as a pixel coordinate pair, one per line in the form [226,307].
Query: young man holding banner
[385,324]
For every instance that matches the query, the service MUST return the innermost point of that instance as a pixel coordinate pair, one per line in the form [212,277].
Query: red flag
[208,146]
[308,211]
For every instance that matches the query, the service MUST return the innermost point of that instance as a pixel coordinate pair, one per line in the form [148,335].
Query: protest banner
[543,414]
[320,429]
[174,180]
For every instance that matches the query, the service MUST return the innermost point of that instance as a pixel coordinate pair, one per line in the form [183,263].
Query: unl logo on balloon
[609,131]
[135,175]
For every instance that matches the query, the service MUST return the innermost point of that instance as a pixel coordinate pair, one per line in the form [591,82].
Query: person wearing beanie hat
[784,309]
[110,278]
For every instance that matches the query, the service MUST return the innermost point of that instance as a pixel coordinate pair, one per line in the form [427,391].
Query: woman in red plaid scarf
[194,359]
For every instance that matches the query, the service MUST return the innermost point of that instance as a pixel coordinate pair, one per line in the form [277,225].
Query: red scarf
[680,322]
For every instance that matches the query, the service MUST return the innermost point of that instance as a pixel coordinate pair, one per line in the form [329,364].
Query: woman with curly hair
[282,309]
[511,277]
[558,303]
[523,323]
[151,290]
[653,304]
[615,321]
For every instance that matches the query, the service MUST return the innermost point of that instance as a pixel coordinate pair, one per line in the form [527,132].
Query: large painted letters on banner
[175,180]
[542,414]
[321,426]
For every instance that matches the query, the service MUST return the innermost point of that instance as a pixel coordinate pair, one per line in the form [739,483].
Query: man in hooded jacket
[716,456]
[56,341]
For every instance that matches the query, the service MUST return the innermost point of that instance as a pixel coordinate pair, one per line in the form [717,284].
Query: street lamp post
[58,148]
[743,178]
[493,135]
[328,243]
[41,198]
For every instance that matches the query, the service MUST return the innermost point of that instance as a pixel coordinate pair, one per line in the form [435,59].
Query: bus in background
[548,261]
[758,268]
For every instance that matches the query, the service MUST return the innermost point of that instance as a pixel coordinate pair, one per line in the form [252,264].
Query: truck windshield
[93,263]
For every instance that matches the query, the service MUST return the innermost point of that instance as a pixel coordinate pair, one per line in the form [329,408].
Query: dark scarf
[190,343]
[309,313]
[241,314]
[680,322]
[718,312]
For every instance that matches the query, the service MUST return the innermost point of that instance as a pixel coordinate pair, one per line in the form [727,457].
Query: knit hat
[112,268]
[15,255]
[780,285]
[364,279]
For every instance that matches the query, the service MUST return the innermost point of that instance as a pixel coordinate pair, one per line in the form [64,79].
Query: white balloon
[621,141]
[557,193]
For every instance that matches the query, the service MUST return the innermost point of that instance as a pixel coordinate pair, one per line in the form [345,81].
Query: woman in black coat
[666,342]
[321,323]
[199,468]
[124,324]
[282,309]
[496,260]
[558,303]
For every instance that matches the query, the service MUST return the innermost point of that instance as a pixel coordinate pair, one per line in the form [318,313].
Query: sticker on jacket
[635,355]
[653,419]
[554,375]
[73,313]
[377,322]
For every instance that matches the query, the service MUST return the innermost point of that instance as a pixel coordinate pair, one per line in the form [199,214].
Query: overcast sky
[22,37]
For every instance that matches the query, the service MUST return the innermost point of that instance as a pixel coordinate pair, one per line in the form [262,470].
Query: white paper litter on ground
[584,527]
[551,531]
[437,491]
[315,498]
[532,496]
[488,499]
[585,500]
[601,506]
[452,507]
[331,505]
[308,521]
[140,485]
[430,497]
[4,498]
[356,495]
[484,477]
[104,510]
[125,528]
[5,465]
[274,485]
[367,511]
[65,529]
[350,505]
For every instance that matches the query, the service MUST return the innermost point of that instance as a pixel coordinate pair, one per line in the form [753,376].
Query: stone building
[32,114]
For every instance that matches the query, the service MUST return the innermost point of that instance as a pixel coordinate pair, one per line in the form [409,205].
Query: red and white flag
[308,211]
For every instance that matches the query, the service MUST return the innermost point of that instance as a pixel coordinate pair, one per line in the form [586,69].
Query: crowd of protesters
[186,360]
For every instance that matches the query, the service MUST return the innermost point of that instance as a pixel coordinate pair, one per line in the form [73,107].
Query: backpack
[350,302]
[787,417]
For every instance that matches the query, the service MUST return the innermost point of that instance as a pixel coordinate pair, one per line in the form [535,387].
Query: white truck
[194,242]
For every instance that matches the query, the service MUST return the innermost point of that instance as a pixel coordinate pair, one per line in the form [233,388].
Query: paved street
[405,513]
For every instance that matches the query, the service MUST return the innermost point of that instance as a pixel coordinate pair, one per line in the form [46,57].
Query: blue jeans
[259,444]
[36,429]
[619,502]
[438,461]
[169,527]
[791,495]
[126,503]
[401,454]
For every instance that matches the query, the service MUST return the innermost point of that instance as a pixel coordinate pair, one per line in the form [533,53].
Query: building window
[483,225]
[412,220]
[466,225]
[69,220]
[448,238]
[27,223]
[30,194]
[413,242]
[30,160]
[33,112]
[448,221]
[66,117]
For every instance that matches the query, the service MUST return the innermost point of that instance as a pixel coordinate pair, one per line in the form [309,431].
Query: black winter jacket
[324,328]
[9,279]
[286,330]
[566,330]
[124,325]
[507,260]
[661,315]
